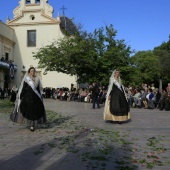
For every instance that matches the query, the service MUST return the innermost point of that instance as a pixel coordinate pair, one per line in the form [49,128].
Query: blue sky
[143,24]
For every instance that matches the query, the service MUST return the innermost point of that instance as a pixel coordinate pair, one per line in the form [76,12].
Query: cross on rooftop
[63,8]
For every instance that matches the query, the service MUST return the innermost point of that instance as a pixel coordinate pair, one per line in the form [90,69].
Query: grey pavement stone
[21,149]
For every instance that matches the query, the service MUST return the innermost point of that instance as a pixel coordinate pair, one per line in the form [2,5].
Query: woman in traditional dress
[29,107]
[116,105]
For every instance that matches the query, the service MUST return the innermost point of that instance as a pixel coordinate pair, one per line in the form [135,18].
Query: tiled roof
[67,25]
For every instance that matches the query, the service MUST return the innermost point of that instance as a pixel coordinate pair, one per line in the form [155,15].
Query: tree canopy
[150,66]
[146,67]
[93,56]
[90,56]
[163,52]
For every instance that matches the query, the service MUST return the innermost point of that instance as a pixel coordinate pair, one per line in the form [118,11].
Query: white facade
[37,17]
[6,52]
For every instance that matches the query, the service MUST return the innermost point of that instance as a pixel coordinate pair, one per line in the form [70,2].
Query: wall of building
[6,46]
[45,35]
[6,31]
[33,17]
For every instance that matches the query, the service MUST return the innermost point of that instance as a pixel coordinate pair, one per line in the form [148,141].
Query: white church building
[31,28]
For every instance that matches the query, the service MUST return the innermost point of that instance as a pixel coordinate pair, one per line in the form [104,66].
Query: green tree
[146,67]
[90,56]
[163,52]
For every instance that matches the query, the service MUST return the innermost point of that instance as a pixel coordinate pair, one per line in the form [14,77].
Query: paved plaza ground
[79,139]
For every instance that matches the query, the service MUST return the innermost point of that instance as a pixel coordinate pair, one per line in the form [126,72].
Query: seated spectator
[148,103]
[55,94]
[165,101]
[104,88]
[157,96]
[153,87]
[75,97]
[144,86]
[64,95]
[103,97]
[100,94]
[136,96]
[83,94]
[60,93]
[130,97]
[140,100]
[88,98]
[168,89]
[70,95]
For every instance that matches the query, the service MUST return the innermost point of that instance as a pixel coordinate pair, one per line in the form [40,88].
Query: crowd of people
[144,96]
[9,93]
[117,98]
[149,97]
[79,95]
[5,93]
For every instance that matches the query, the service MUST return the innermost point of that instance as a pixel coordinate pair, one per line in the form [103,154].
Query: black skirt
[118,103]
[31,108]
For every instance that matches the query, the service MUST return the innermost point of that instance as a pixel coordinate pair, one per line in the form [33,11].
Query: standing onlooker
[2,93]
[95,95]
[13,94]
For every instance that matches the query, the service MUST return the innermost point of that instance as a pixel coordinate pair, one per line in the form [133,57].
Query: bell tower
[34,6]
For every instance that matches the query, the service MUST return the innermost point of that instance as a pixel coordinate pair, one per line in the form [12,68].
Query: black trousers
[95,100]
